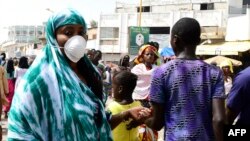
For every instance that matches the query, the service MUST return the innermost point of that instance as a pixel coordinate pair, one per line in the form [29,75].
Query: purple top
[186,88]
[239,97]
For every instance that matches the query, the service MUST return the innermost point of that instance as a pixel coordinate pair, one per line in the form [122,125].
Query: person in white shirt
[144,68]
[21,70]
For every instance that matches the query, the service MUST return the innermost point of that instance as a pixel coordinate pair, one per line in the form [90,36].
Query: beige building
[159,16]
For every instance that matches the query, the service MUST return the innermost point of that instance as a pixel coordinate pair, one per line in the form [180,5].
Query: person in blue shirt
[238,99]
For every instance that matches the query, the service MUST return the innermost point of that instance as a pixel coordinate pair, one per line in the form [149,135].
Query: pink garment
[141,90]
[11,84]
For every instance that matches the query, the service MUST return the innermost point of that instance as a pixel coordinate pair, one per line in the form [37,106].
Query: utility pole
[140,13]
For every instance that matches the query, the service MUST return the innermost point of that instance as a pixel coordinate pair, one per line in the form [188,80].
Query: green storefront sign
[138,36]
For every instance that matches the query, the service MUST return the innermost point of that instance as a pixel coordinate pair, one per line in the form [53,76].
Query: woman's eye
[68,33]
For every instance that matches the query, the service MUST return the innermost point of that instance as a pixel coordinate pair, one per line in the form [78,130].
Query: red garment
[11,84]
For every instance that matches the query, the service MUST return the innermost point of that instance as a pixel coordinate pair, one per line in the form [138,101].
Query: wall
[91,44]
[238,28]
[235,3]
[92,33]
[235,7]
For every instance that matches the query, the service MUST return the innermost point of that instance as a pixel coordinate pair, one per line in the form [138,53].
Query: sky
[33,12]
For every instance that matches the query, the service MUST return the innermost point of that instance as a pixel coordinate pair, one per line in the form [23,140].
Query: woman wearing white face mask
[59,97]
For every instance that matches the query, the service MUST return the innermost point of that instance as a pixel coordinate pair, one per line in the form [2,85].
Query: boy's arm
[218,118]
[218,107]
[157,120]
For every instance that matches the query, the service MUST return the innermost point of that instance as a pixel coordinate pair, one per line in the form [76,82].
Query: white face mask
[74,48]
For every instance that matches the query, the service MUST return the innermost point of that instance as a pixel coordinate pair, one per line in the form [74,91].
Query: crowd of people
[63,95]
[12,70]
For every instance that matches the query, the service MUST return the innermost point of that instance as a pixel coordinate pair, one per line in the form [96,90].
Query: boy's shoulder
[175,64]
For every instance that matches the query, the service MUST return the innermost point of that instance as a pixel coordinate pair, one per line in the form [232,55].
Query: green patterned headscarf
[51,102]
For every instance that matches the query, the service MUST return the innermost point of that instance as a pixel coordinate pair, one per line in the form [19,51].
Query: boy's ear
[176,39]
[120,88]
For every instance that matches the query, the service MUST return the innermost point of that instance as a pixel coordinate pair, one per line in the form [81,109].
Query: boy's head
[185,33]
[123,85]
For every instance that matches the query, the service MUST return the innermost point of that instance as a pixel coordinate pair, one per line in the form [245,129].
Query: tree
[93,23]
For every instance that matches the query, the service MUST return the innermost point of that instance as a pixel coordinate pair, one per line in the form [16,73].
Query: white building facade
[159,16]
[23,40]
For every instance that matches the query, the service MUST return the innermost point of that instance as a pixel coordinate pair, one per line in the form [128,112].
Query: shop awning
[225,48]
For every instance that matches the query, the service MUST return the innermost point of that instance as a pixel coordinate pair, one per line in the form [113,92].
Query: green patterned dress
[51,103]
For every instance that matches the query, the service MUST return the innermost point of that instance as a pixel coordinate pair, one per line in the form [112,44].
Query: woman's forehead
[76,26]
[148,51]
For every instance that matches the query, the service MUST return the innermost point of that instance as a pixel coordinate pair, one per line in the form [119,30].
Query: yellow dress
[120,133]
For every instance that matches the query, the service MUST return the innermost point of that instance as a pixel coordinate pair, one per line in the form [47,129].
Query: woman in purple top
[187,94]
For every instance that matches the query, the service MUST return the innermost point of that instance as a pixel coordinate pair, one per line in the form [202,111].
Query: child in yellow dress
[123,86]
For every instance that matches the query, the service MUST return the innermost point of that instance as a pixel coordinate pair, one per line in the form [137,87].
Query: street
[4,128]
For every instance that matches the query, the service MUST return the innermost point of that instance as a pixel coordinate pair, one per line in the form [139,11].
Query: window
[39,33]
[109,32]
[108,42]
[207,6]
[24,32]
[31,32]
[17,32]
[246,2]
[159,30]
[143,9]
